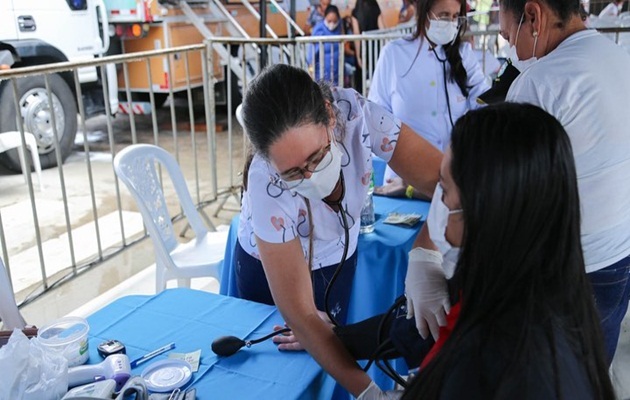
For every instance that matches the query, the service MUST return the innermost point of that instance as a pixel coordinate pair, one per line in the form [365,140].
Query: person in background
[350,59]
[612,10]
[523,323]
[316,15]
[430,79]
[407,12]
[366,16]
[580,77]
[304,191]
[329,26]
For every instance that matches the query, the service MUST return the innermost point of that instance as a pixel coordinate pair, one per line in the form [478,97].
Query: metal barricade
[82,216]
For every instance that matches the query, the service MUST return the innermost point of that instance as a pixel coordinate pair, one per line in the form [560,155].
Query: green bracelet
[409,192]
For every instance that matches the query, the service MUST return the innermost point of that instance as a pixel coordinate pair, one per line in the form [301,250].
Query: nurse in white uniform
[430,79]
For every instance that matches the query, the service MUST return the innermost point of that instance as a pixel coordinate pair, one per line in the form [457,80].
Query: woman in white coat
[430,79]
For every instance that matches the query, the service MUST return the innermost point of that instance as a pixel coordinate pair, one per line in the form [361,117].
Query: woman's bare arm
[416,161]
[290,282]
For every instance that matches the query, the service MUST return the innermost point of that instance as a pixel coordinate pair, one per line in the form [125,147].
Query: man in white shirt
[580,77]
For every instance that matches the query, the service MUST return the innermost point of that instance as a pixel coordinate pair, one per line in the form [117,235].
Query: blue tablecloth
[381,266]
[193,319]
[378,167]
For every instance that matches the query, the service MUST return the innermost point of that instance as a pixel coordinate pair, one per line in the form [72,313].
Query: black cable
[448,101]
[377,352]
[387,368]
[382,351]
[272,334]
[346,230]
[389,371]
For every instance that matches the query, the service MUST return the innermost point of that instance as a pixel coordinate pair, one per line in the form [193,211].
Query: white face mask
[332,25]
[442,32]
[322,183]
[437,220]
[521,65]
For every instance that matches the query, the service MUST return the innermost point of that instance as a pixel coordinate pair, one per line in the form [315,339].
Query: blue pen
[152,354]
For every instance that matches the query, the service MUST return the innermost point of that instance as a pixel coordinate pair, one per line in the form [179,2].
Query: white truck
[41,32]
[48,31]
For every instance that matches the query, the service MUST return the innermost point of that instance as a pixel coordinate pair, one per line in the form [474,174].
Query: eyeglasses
[460,20]
[295,176]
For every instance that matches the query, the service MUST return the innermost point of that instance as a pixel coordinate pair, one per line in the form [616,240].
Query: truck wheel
[36,114]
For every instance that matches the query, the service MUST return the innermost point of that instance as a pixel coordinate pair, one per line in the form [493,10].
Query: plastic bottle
[367,213]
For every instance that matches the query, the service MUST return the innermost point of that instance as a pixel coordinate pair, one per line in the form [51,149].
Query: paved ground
[16,208]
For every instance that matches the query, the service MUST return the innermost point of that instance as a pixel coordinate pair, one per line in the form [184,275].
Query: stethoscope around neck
[448,101]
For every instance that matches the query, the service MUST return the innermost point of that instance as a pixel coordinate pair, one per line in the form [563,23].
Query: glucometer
[109,347]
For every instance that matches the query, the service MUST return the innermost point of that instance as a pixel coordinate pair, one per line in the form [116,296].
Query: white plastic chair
[12,140]
[239,115]
[135,166]
[9,313]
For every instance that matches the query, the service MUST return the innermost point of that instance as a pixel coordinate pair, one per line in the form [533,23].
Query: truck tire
[34,107]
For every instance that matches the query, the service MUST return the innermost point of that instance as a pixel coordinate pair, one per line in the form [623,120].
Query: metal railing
[83,217]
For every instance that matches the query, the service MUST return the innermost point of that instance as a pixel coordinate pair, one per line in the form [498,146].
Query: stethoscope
[448,101]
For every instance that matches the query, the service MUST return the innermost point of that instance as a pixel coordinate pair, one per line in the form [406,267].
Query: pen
[152,354]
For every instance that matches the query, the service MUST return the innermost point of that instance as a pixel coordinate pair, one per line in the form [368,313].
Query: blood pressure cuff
[399,338]
[500,85]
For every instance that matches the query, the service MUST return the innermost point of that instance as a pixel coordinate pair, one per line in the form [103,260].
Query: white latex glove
[373,392]
[426,291]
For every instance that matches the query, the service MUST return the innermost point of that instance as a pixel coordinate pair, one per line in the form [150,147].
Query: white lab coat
[410,83]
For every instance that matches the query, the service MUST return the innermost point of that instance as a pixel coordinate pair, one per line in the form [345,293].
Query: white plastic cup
[68,336]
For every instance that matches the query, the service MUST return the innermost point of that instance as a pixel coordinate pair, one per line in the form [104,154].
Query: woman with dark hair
[581,78]
[328,70]
[523,323]
[430,79]
[305,188]
[366,16]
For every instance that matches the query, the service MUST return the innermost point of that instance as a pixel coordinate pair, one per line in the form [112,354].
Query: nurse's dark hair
[565,9]
[457,71]
[280,98]
[520,276]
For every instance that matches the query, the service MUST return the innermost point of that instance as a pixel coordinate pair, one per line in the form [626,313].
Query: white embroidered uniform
[277,216]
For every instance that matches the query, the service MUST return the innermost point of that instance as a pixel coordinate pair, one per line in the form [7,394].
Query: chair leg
[32,146]
[23,164]
[160,278]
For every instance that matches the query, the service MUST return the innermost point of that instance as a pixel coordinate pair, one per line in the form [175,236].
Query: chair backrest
[135,166]
[239,115]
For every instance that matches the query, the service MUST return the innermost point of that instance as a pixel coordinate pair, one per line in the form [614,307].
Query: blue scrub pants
[252,283]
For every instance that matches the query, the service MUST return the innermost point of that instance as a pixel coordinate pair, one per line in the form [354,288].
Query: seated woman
[523,324]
